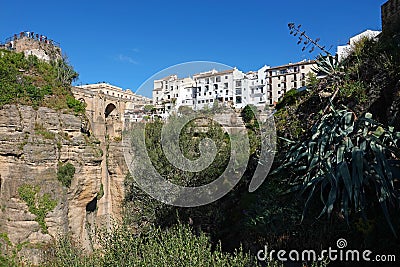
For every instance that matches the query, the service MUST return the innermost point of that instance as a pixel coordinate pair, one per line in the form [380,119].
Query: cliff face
[33,144]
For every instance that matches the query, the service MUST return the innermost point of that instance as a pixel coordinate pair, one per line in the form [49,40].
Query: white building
[221,86]
[233,88]
[344,50]
[170,93]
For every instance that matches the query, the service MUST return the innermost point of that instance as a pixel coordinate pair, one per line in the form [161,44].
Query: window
[207,88]
[238,83]
[279,85]
[302,67]
[218,79]
[225,85]
[226,99]
[209,93]
[215,86]
[226,92]
[211,100]
[279,92]
[238,100]
[226,77]
[238,91]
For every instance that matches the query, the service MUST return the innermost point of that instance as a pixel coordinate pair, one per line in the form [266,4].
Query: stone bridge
[106,106]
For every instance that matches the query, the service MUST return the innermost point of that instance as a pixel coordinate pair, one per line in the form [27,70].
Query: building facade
[233,88]
[281,79]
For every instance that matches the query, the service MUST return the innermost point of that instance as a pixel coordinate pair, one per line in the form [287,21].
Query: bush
[65,173]
[248,113]
[176,246]
[76,105]
[30,81]
[37,205]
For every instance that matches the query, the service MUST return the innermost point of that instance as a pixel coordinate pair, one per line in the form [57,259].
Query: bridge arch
[111,109]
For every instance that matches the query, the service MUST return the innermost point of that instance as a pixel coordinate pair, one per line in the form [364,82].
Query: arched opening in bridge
[111,109]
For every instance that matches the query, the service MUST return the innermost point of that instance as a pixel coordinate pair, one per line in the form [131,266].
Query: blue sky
[126,42]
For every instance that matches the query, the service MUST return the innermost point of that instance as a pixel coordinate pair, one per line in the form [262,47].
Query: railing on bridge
[34,36]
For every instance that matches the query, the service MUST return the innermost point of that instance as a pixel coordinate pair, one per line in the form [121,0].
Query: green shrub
[41,130]
[65,173]
[37,205]
[76,105]
[30,81]
[176,246]
[289,98]
[248,113]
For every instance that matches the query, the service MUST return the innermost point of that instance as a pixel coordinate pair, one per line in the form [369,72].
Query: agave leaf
[344,172]
[357,174]
[387,217]
[340,153]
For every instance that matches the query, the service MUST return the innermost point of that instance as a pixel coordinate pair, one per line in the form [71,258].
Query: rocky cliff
[33,146]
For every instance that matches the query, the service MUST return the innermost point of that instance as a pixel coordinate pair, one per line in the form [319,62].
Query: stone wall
[42,50]
[390,13]
[32,144]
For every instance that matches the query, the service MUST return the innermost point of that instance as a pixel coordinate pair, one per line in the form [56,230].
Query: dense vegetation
[142,210]
[336,175]
[176,246]
[338,163]
[30,81]
[336,172]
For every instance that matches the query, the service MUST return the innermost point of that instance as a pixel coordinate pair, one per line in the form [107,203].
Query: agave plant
[345,158]
[328,65]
